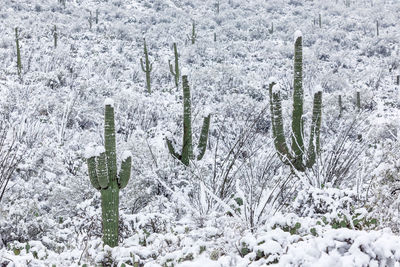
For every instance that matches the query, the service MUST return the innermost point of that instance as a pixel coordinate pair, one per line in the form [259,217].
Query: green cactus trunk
[314,142]
[19,64]
[297,120]
[146,67]
[103,176]
[110,214]
[176,73]
[187,150]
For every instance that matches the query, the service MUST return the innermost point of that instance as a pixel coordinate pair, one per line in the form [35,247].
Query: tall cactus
[176,73]
[102,168]
[146,66]
[19,64]
[187,146]
[296,157]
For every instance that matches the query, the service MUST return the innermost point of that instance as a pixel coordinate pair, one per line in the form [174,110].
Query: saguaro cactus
[187,147]
[358,101]
[271,30]
[102,167]
[193,36]
[296,157]
[19,64]
[55,35]
[146,67]
[377,28]
[176,73]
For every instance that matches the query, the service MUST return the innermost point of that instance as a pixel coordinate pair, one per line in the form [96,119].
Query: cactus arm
[187,149]
[109,141]
[150,67]
[277,126]
[202,145]
[102,172]
[172,150]
[141,64]
[125,172]
[314,142]
[297,133]
[91,163]
[171,69]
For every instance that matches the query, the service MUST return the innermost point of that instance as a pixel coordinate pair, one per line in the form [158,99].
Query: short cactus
[146,66]
[296,157]
[176,73]
[187,147]
[102,168]
[55,36]
[193,36]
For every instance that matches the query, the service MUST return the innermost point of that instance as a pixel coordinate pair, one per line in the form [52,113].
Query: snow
[239,205]
[127,154]
[109,102]
[297,34]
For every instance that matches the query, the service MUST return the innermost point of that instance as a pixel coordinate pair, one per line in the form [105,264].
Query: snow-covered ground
[239,205]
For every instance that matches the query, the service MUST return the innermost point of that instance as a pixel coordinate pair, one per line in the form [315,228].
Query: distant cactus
[176,73]
[398,79]
[377,28]
[193,36]
[217,7]
[340,106]
[97,16]
[55,36]
[296,157]
[187,147]
[319,20]
[215,37]
[90,19]
[102,167]
[146,66]
[358,101]
[271,30]
[19,64]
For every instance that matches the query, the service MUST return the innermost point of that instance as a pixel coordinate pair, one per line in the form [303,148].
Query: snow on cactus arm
[125,172]
[109,102]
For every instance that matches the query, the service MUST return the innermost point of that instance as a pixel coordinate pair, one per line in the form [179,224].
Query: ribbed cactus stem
[202,146]
[314,142]
[187,146]
[175,73]
[277,124]
[19,64]
[297,120]
[187,149]
[102,170]
[147,67]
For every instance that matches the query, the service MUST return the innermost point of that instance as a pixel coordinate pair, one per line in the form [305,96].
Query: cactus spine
[176,73]
[55,35]
[19,64]
[102,168]
[187,147]
[296,157]
[193,36]
[146,66]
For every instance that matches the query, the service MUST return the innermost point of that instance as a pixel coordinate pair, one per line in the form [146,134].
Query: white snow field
[243,203]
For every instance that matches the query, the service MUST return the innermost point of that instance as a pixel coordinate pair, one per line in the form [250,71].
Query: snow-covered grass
[239,205]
